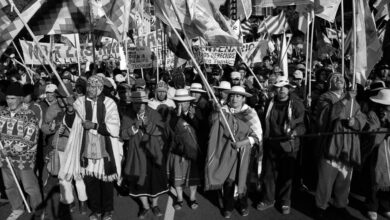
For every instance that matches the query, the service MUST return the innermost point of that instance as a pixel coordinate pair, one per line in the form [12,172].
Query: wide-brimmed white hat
[383,97]
[197,87]
[282,82]
[224,85]
[238,90]
[182,95]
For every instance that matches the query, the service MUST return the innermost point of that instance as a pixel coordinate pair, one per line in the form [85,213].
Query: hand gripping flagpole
[199,71]
[16,181]
[250,70]
[39,47]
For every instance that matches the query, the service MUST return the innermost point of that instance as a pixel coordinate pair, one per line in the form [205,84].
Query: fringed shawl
[72,167]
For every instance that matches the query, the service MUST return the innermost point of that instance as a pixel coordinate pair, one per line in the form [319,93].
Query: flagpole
[157,54]
[199,72]
[39,48]
[342,39]
[92,36]
[77,42]
[354,54]
[307,51]
[16,181]
[24,63]
[181,24]
[311,59]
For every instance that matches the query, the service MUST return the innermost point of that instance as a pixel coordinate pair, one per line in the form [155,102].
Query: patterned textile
[8,34]
[274,24]
[19,135]
[4,20]
[61,17]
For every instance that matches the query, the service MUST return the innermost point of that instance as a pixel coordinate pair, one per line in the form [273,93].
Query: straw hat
[224,85]
[197,87]
[139,97]
[238,90]
[383,97]
[182,95]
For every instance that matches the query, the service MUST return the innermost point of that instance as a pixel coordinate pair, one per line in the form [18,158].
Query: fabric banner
[215,55]
[63,54]
[275,3]
[252,52]
[139,57]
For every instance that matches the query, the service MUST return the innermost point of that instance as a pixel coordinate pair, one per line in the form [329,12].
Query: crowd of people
[105,130]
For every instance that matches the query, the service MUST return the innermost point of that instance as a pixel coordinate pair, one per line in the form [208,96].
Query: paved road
[127,208]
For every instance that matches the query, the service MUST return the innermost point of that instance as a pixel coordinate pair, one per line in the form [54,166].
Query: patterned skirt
[183,172]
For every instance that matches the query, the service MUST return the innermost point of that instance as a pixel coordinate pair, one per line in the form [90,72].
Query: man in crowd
[93,150]
[337,111]
[224,169]
[283,119]
[19,134]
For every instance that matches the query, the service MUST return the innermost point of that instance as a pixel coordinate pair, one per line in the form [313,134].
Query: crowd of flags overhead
[200,18]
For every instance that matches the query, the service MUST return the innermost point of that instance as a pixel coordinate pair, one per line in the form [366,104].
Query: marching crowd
[107,130]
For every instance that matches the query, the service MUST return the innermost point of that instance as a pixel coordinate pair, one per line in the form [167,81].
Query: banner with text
[63,54]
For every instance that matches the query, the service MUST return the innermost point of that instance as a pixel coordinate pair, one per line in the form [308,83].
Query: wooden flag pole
[157,54]
[92,37]
[307,52]
[354,54]
[39,48]
[77,42]
[16,181]
[311,61]
[21,64]
[342,39]
[199,72]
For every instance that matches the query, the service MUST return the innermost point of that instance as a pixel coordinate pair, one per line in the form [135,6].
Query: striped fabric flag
[13,29]
[274,25]
[276,3]
[382,9]
[246,28]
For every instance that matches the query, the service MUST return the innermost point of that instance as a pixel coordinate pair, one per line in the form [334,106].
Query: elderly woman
[227,162]
[183,165]
[93,150]
[142,130]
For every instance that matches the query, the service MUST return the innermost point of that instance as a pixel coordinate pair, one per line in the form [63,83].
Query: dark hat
[378,85]
[384,67]
[28,89]
[139,97]
[14,89]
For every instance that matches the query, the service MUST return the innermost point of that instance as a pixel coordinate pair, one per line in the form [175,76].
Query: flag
[382,9]
[246,28]
[306,14]
[333,34]
[205,20]
[110,17]
[244,9]
[61,17]
[13,29]
[274,24]
[4,20]
[368,47]
[326,9]
[276,3]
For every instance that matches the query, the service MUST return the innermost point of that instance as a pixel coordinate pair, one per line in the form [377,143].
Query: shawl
[72,166]
[332,116]
[144,145]
[223,161]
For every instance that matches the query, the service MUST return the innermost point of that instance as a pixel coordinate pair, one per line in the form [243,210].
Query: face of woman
[236,101]
[139,107]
